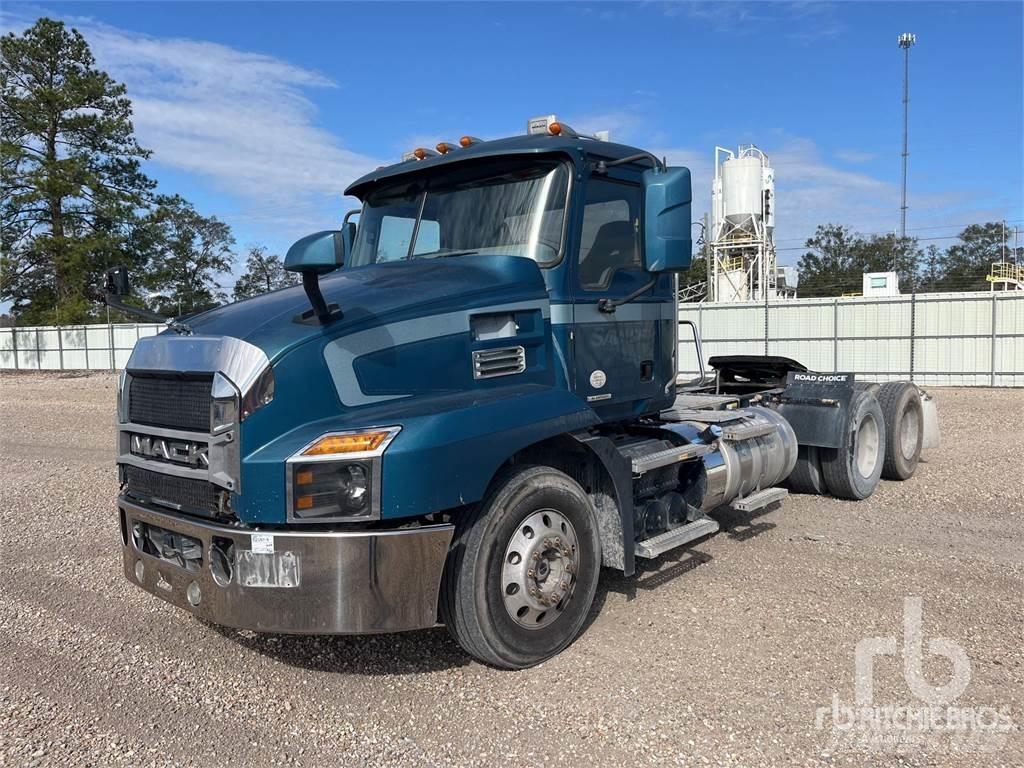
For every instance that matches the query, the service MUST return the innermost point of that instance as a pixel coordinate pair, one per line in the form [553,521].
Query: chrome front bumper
[310,583]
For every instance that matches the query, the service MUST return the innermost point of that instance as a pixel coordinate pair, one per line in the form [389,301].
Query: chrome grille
[175,403]
[505,361]
[185,494]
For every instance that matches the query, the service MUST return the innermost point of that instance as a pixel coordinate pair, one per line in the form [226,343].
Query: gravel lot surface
[719,655]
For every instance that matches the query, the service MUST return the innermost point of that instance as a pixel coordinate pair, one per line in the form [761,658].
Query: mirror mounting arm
[321,310]
[609,305]
[602,166]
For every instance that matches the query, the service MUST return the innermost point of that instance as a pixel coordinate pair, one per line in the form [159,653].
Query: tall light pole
[906,40]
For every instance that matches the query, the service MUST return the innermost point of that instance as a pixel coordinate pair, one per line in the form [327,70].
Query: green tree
[827,267]
[263,273]
[887,253]
[931,269]
[188,252]
[968,262]
[838,259]
[71,178]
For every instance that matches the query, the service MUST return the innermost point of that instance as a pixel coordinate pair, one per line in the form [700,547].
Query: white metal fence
[960,339]
[76,347]
[964,339]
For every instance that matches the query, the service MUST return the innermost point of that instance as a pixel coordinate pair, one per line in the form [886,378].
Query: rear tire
[806,476]
[904,428]
[852,470]
[495,600]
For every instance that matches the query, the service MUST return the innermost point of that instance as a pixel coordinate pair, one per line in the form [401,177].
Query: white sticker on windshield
[263,543]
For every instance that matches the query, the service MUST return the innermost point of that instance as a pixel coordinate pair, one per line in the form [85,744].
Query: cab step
[647,462]
[736,432]
[759,499]
[663,542]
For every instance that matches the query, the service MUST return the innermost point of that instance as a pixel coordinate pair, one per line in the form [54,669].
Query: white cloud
[855,156]
[239,120]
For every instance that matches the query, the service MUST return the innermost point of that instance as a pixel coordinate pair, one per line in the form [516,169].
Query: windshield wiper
[456,253]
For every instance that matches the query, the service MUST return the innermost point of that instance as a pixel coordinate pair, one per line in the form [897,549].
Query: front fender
[449,448]
[447,459]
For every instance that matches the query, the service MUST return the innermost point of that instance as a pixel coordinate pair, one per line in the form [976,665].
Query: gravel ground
[719,655]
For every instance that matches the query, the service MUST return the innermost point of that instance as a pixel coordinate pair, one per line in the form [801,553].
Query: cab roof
[578,146]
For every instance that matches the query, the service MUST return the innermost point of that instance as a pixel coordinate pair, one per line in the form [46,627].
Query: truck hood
[374,295]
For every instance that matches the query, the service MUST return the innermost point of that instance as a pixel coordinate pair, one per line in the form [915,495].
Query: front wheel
[523,569]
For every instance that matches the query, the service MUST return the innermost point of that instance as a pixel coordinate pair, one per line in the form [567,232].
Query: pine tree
[71,176]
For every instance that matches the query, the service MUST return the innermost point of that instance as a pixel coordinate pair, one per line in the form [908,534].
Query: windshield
[518,210]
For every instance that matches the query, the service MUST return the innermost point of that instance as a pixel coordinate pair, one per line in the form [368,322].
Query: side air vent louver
[488,363]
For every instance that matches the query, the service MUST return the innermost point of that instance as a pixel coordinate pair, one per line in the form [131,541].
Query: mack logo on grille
[179,451]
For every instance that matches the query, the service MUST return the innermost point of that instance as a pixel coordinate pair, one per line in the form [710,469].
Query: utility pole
[906,40]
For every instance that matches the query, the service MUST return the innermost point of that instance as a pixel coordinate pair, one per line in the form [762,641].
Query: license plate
[267,569]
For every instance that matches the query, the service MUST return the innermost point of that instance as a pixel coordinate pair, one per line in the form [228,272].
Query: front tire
[523,569]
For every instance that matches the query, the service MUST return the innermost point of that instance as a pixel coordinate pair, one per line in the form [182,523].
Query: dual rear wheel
[883,438]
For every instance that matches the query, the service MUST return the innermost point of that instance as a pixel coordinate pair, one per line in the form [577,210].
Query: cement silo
[743,223]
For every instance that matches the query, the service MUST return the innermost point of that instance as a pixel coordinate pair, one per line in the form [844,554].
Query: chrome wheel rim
[867,446]
[539,571]
[909,428]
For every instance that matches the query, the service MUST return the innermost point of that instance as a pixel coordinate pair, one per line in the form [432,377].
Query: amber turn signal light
[340,444]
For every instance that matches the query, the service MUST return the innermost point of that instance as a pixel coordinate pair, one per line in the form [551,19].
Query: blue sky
[261,113]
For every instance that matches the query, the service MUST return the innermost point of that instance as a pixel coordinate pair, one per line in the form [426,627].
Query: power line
[918,239]
[857,231]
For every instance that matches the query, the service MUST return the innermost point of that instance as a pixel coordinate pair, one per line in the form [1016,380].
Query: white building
[881,284]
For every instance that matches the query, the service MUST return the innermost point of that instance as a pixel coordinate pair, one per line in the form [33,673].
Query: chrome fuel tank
[754,448]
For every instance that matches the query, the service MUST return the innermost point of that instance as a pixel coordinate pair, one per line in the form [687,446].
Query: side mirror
[667,242]
[316,255]
[319,253]
[115,281]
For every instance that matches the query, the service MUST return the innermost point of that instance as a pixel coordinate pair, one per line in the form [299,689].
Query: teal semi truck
[468,408]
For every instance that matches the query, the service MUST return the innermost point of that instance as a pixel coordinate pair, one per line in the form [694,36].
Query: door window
[609,240]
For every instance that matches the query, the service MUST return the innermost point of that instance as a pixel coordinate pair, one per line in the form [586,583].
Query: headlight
[337,476]
[332,489]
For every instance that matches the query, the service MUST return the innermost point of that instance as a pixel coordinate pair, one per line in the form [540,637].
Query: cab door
[615,352]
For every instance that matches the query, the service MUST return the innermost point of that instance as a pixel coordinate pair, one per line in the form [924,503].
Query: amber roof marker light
[468,141]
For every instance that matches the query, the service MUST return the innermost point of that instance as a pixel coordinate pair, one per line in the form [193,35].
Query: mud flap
[930,438]
[817,406]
